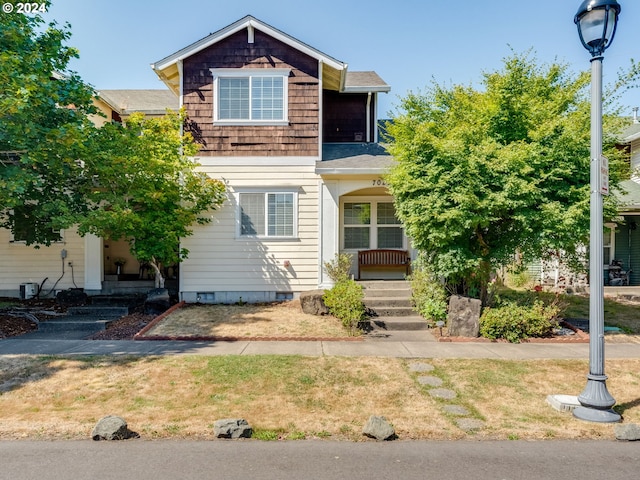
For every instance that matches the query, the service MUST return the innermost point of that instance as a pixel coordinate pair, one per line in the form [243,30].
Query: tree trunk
[485,275]
[159,279]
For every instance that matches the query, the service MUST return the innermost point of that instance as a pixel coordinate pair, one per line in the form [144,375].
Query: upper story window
[250,96]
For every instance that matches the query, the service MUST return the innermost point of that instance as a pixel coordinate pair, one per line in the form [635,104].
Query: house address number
[378,182]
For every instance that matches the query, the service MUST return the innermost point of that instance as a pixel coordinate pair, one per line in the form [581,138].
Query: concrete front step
[399,323]
[377,302]
[373,285]
[386,311]
[387,293]
[98,311]
[68,325]
[86,318]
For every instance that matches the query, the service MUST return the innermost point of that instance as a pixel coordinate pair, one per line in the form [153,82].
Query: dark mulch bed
[16,318]
[15,321]
[125,327]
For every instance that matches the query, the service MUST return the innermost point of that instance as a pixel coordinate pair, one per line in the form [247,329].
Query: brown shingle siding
[299,138]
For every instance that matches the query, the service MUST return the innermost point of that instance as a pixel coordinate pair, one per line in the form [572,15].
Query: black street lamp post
[596,21]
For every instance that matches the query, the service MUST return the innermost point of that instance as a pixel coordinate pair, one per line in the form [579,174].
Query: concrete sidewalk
[401,348]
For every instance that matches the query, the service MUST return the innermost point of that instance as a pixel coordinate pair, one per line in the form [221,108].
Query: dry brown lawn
[298,397]
[285,319]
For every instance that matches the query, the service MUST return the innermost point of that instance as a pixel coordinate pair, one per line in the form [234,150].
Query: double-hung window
[268,214]
[250,96]
[371,224]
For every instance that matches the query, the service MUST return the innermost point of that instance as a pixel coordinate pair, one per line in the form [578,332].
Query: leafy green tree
[481,174]
[43,127]
[146,190]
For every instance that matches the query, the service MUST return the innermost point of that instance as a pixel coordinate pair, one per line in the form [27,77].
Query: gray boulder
[157,302]
[232,428]
[629,432]
[312,302]
[379,428]
[112,427]
[464,316]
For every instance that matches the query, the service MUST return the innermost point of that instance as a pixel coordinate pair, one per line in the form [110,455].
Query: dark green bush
[344,301]
[515,322]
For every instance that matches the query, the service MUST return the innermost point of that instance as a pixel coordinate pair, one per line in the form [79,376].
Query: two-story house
[294,136]
[292,133]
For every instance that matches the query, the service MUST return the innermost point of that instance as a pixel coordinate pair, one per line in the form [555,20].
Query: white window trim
[266,191]
[373,226]
[248,73]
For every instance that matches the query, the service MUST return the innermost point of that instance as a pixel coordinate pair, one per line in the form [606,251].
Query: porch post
[329,229]
[93,268]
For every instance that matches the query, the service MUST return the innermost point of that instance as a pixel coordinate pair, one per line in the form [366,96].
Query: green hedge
[515,322]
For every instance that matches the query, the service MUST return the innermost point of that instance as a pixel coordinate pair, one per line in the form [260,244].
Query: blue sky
[408,42]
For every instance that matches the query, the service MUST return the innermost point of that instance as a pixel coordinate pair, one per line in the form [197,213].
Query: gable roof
[168,70]
[149,102]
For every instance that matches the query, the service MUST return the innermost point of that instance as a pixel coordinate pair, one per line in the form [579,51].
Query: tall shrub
[344,301]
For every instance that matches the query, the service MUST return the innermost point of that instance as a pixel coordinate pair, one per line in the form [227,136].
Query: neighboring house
[117,105]
[294,136]
[73,261]
[622,239]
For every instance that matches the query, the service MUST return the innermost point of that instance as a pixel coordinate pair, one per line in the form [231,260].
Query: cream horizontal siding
[26,264]
[220,261]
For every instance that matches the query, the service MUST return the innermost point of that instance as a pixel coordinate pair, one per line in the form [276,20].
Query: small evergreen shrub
[429,295]
[515,322]
[344,301]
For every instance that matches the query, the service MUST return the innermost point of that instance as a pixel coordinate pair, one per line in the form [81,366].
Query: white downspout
[376,136]
[368,118]
[320,109]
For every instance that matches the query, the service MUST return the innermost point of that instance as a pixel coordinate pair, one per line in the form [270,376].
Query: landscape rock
[232,428]
[112,427]
[464,316]
[312,303]
[72,297]
[379,428]
[157,302]
[629,432]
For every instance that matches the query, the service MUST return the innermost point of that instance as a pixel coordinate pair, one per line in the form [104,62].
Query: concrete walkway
[401,347]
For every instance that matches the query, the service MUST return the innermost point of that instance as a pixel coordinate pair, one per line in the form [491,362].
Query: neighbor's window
[27,228]
[267,214]
[250,96]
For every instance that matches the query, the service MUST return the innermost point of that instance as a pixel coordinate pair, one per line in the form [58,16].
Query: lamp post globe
[596,21]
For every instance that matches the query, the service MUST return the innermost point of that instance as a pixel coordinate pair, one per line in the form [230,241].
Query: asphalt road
[319,460]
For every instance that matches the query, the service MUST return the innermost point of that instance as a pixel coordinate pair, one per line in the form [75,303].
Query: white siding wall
[22,264]
[230,267]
